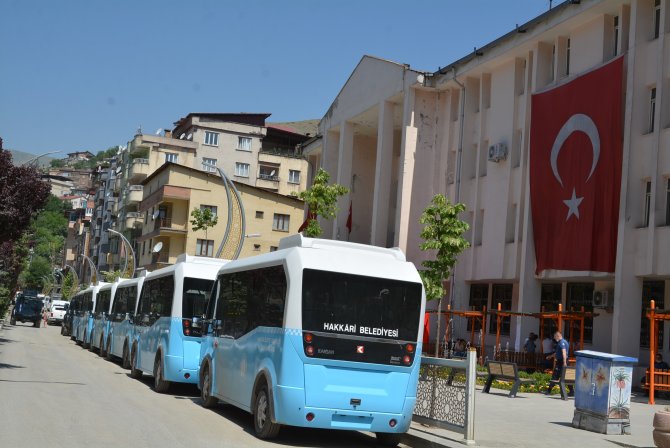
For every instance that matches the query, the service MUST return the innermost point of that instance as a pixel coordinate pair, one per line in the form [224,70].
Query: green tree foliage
[57,163]
[32,277]
[111,276]
[443,238]
[203,219]
[69,287]
[321,200]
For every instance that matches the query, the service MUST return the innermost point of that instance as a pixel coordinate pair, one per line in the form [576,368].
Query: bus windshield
[196,292]
[360,306]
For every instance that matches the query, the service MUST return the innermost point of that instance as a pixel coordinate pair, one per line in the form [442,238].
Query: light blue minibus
[103,305]
[320,334]
[165,345]
[84,323]
[120,336]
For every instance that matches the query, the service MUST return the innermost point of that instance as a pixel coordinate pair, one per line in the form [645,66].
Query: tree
[443,237]
[69,287]
[321,200]
[111,276]
[38,267]
[203,219]
[22,194]
[57,163]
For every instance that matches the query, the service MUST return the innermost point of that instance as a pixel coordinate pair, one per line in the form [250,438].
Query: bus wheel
[134,371]
[125,360]
[265,428]
[208,400]
[101,350]
[388,439]
[83,341]
[160,385]
[108,350]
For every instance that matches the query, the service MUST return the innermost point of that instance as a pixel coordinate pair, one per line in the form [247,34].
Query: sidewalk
[536,420]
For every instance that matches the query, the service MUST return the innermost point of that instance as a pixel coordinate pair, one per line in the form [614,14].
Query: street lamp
[41,155]
[130,248]
[94,270]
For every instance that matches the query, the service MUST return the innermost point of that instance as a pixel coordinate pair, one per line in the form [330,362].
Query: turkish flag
[575,171]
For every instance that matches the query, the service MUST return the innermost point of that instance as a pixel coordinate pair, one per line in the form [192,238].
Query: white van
[57,311]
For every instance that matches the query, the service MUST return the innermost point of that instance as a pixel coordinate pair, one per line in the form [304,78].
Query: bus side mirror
[127,316]
[196,322]
[145,319]
[217,325]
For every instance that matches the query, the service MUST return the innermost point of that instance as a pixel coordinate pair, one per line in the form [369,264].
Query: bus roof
[335,245]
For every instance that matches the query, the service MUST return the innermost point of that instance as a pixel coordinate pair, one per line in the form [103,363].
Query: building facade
[397,137]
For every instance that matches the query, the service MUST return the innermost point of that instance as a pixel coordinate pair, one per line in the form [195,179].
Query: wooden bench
[661,380]
[567,379]
[504,371]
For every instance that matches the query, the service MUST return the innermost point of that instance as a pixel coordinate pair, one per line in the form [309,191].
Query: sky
[86,74]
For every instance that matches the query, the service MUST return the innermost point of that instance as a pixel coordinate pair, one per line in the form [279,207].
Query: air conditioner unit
[497,152]
[603,299]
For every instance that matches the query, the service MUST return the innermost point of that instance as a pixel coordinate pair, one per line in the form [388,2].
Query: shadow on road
[10,366]
[42,382]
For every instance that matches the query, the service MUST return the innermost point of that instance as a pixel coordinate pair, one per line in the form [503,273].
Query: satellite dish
[159,131]
[155,215]
[272,173]
[157,247]
[181,137]
[189,137]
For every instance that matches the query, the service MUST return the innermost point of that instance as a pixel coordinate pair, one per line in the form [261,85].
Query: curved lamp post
[132,251]
[41,155]
[94,270]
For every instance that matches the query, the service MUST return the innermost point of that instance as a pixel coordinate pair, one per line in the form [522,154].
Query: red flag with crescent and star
[575,171]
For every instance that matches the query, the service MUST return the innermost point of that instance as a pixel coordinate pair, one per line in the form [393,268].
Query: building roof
[85,153]
[216,177]
[304,127]
[254,119]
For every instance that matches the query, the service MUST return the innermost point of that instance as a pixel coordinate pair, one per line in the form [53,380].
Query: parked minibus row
[320,333]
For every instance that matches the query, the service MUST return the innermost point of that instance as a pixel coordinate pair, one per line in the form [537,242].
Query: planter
[662,429]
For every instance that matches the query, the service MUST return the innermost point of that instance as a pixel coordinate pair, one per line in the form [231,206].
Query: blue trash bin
[602,392]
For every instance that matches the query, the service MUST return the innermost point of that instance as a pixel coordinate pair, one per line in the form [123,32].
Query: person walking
[45,316]
[561,363]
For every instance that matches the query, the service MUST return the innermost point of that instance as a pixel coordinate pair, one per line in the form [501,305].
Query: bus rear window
[356,305]
[196,293]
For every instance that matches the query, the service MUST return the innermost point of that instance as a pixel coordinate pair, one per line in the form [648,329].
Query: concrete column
[405,170]
[384,161]
[344,161]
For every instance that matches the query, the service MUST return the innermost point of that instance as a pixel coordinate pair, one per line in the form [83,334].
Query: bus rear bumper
[293,412]
[175,371]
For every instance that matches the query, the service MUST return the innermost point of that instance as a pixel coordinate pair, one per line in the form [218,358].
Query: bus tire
[263,425]
[108,351]
[208,401]
[125,360]
[83,341]
[160,384]
[134,371]
[388,439]
[101,350]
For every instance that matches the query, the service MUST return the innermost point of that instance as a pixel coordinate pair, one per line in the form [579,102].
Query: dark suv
[27,310]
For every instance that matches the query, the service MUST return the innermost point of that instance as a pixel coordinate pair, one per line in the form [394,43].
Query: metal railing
[268,177]
[162,223]
[445,396]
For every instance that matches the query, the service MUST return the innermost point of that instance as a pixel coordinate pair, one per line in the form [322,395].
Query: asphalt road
[53,393]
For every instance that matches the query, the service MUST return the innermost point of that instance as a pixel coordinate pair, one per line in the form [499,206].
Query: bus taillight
[409,348]
[309,417]
[309,337]
[309,350]
[392,423]
[407,360]
[186,327]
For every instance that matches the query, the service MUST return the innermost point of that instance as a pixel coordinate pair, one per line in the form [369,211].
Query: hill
[19,157]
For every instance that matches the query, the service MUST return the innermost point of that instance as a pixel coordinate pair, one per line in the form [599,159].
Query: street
[53,393]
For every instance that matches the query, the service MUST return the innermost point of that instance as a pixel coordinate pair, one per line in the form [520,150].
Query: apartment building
[476,130]
[246,149]
[173,191]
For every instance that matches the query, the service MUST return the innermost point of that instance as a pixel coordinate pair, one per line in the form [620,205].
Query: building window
[567,58]
[550,298]
[204,248]
[667,202]
[268,172]
[273,248]
[209,164]
[502,293]
[647,204]
[171,157]
[579,295]
[479,298]
[293,176]
[211,138]
[652,108]
[280,222]
[244,143]
[657,18]
[257,247]
[242,169]
[259,214]
[651,290]
[211,208]
[616,35]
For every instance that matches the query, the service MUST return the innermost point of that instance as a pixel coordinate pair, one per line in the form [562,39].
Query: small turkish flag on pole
[575,171]
[349,218]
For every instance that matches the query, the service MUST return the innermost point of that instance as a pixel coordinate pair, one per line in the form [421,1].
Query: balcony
[134,219]
[117,184]
[135,193]
[139,170]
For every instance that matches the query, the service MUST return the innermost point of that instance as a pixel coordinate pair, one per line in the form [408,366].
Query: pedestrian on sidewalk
[45,316]
[561,362]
